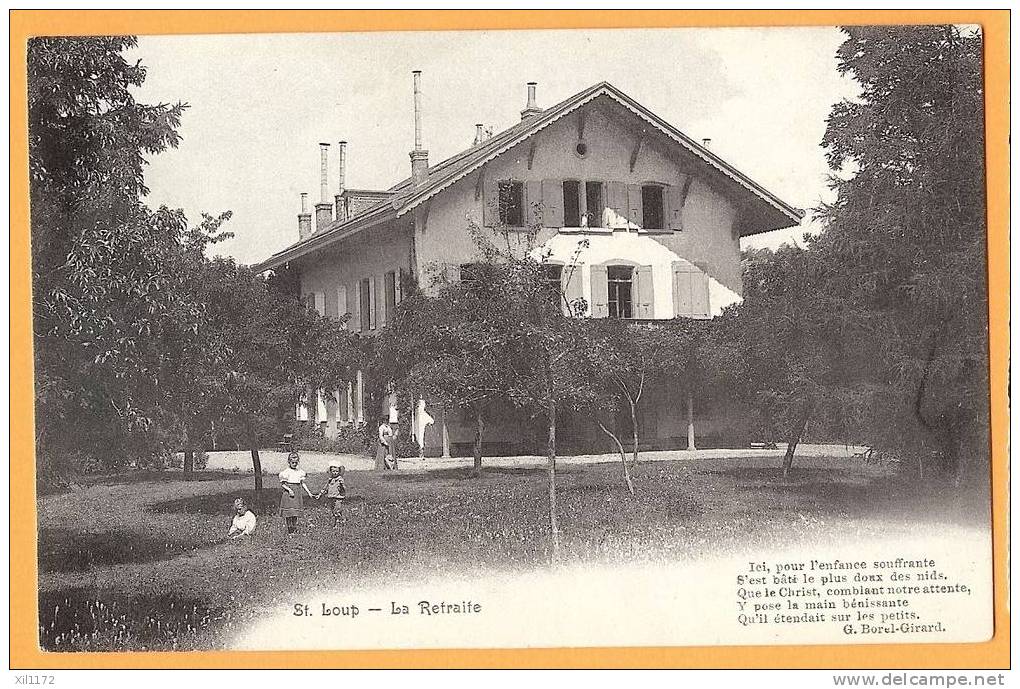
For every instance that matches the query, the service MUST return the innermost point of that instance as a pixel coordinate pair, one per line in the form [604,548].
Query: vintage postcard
[543,336]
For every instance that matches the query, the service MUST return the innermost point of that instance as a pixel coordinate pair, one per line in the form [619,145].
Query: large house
[662,214]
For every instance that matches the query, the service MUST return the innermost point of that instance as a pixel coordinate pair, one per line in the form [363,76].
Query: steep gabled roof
[446,173]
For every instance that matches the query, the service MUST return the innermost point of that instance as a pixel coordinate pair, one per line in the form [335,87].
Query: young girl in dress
[292,480]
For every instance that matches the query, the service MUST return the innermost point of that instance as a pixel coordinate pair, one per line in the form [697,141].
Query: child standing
[292,480]
[335,492]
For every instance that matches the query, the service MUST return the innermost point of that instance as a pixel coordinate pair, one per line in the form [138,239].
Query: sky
[260,104]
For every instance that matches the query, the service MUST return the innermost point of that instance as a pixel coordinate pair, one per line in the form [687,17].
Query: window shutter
[399,287]
[490,201]
[380,296]
[634,205]
[356,311]
[682,301]
[645,293]
[674,210]
[332,308]
[617,201]
[699,293]
[573,289]
[533,202]
[320,303]
[552,203]
[341,304]
[373,311]
[599,291]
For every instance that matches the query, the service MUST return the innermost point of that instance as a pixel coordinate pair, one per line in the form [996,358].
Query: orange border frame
[24,651]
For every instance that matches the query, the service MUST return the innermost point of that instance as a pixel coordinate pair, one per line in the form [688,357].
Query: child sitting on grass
[244,521]
[335,492]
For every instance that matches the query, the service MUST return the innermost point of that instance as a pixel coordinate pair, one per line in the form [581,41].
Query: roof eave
[330,236]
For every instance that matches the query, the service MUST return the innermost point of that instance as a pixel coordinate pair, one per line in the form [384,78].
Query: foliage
[110,300]
[905,239]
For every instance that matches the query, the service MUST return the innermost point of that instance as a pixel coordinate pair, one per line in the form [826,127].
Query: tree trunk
[479,426]
[189,460]
[446,437]
[633,426]
[256,462]
[623,453]
[690,421]
[794,440]
[949,441]
[551,449]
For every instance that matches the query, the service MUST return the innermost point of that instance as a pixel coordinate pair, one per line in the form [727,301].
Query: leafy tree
[905,239]
[449,346]
[108,291]
[613,363]
[275,348]
[787,346]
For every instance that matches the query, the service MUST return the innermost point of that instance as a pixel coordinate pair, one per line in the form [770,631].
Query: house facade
[661,216]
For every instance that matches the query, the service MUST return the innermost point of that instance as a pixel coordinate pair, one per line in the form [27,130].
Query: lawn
[137,561]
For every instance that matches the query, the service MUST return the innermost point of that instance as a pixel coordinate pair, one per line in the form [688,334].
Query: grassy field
[138,561]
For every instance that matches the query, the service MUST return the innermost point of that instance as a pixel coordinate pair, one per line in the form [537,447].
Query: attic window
[511,203]
[581,149]
[651,207]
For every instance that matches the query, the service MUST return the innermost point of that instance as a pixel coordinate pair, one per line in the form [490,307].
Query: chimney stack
[323,209]
[479,134]
[304,219]
[532,108]
[340,214]
[707,143]
[419,156]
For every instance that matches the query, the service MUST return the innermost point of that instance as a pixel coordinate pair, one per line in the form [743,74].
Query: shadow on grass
[129,477]
[876,493]
[66,550]
[463,473]
[67,485]
[265,503]
[91,619]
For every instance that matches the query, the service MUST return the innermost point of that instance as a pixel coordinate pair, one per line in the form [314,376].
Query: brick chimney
[323,209]
[419,156]
[532,108]
[341,214]
[479,134]
[304,219]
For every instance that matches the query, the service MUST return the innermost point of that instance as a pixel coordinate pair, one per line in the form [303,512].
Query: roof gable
[403,196]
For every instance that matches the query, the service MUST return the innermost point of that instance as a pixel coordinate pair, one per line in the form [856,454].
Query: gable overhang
[763,210]
[770,209]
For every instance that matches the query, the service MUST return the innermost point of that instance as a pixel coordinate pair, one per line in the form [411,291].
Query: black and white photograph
[572,338]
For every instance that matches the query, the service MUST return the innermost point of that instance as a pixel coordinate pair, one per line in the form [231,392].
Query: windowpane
[593,196]
[621,283]
[571,203]
[553,274]
[511,203]
[651,207]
